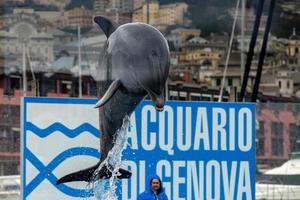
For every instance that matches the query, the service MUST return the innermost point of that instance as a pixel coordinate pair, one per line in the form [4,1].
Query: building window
[260,147]
[288,84]
[218,82]
[260,136]
[65,86]
[182,98]
[16,141]
[85,87]
[279,83]
[3,133]
[230,82]
[195,98]
[50,86]
[294,137]
[206,98]
[277,139]
[172,97]
[15,84]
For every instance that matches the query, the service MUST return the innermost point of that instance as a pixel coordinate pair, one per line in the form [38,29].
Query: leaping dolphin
[138,56]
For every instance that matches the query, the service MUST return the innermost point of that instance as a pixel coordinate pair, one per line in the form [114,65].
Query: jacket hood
[161,185]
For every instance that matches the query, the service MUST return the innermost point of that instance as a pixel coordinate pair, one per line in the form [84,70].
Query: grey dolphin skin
[138,56]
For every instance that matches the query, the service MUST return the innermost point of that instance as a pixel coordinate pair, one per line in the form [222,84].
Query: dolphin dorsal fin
[114,86]
[107,26]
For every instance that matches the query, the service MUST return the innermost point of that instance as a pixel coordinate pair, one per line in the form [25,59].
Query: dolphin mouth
[158,100]
[159,108]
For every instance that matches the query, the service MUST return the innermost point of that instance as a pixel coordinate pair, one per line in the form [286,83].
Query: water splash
[106,189]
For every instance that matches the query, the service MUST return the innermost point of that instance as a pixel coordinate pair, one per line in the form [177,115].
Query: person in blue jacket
[155,191]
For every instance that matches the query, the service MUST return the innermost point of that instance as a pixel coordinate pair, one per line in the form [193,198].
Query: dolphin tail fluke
[87,175]
[82,175]
[106,173]
[109,93]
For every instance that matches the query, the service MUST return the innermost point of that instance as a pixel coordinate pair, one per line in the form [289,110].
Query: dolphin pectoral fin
[82,175]
[109,93]
[106,173]
[107,26]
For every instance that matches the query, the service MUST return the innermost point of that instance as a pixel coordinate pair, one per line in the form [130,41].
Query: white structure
[180,36]
[10,187]
[281,182]
[38,43]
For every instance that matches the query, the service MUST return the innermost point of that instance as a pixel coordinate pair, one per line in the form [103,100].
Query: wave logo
[60,136]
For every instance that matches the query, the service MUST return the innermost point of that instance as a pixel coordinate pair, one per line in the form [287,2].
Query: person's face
[155,184]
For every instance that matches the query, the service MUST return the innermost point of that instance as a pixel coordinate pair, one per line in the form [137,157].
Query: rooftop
[294,36]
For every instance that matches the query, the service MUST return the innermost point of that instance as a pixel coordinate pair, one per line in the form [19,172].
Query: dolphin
[138,58]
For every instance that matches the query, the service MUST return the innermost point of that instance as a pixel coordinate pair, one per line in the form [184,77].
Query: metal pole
[79,64]
[243,38]
[24,70]
[251,49]
[263,51]
[229,50]
[118,16]
[148,14]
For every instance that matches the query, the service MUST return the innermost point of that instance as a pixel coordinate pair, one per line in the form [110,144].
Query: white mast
[79,63]
[117,16]
[24,70]
[229,50]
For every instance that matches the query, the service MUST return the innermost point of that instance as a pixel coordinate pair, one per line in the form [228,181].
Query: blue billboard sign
[201,150]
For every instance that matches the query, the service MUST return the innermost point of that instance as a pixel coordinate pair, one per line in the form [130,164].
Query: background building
[180,36]
[100,6]
[61,4]
[121,5]
[279,132]
[161,16]
[79,17]
[26,32]
[119,11]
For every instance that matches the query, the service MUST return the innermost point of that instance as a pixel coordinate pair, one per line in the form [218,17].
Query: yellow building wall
[199,55]
[160,15]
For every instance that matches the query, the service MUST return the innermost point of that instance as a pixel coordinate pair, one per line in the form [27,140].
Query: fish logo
[52,139]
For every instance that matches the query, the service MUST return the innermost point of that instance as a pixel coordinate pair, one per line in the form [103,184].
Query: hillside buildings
[79,17]
[161,16]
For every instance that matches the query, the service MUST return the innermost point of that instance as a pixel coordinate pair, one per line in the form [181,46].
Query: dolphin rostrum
[138,56]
